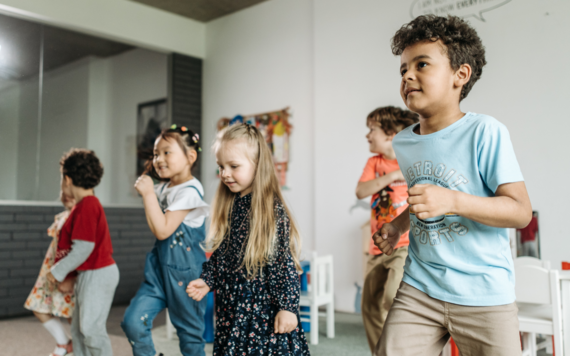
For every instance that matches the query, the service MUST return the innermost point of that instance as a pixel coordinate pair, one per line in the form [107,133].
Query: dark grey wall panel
[185,94]
[24,242]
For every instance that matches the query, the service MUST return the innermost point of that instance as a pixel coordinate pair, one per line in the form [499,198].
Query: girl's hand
[67,285]
[285,322]
[197,289]
[144,185]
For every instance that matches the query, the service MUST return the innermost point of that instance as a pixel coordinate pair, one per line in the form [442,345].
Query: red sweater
[87,222]
[529,232]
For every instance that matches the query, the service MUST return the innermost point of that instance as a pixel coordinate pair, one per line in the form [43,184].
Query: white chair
[538,299]
[320,292]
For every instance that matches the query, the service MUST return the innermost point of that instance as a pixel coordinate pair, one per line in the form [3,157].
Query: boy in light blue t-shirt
[466,189]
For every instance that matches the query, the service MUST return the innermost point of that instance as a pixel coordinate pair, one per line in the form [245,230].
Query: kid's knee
[192,347]
[134,326]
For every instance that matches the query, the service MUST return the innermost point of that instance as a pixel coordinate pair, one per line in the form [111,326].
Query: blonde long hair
[266,192]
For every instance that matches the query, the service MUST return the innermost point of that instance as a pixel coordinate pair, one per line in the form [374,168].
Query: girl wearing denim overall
[177,219]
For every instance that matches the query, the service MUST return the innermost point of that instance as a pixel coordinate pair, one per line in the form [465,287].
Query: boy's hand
[51,278]
[144,185]
[285,322]
[67,285]
[197,289]
[397,175]
[428,200]
[387,238]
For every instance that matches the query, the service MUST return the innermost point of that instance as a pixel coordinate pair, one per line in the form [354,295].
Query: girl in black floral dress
[255,264]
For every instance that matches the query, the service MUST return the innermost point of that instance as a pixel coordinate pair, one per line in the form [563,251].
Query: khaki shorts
[420,325]
[382,281]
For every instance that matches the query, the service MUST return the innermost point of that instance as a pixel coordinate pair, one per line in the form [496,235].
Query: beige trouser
[383,277]
[420,325]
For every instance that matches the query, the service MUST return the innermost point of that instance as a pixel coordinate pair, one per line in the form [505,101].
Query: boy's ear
[68,180]
[462,75]
[391,137]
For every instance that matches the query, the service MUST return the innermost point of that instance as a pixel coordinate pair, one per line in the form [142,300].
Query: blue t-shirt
[452,258]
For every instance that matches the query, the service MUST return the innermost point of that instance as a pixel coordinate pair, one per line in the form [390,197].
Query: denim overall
[170,266]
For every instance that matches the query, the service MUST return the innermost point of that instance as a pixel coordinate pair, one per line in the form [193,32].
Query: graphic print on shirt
[440,227]
[384,209]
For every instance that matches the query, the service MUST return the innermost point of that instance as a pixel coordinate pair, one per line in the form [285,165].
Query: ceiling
[20,47]
[201,10]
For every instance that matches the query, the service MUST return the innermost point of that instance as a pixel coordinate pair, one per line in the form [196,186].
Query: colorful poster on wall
[276,129]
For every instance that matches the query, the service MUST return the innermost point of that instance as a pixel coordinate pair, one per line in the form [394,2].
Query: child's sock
[56,329]
[60,351]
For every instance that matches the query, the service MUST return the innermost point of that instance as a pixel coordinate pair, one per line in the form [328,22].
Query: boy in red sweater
[85,246]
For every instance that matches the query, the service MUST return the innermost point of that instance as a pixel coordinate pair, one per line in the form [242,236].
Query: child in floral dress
[255,264]
[51,301]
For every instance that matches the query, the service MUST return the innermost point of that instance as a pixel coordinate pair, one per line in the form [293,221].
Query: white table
[565,296]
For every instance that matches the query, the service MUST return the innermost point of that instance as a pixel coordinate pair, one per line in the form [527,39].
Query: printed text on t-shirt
[438,174]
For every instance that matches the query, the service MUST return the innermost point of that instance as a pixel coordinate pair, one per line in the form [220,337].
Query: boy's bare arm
[366,189]
[510,207]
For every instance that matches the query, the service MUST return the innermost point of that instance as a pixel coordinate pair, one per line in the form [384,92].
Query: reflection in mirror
[20,61]
[528,239]
[61,89]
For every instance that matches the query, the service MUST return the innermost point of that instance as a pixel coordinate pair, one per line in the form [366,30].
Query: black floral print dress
[246,309]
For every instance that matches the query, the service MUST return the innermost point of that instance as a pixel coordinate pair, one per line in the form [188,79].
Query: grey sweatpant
[94,292]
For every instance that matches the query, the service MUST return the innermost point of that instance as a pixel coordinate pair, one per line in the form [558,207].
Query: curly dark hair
[83,167]
[392,119]
[186,139]
[462,43]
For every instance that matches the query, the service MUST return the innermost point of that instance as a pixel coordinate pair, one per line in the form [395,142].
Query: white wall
[354,71]
[523,86]
[122,20]
[136,76]
[259,60]
[530,97]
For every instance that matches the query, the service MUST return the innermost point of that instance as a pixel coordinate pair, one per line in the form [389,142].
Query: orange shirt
[389,202]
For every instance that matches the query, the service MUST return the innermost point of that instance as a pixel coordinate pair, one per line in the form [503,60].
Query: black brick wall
[24,241]
[185,94]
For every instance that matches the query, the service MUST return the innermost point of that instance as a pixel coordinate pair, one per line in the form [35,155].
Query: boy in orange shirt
[383,180]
